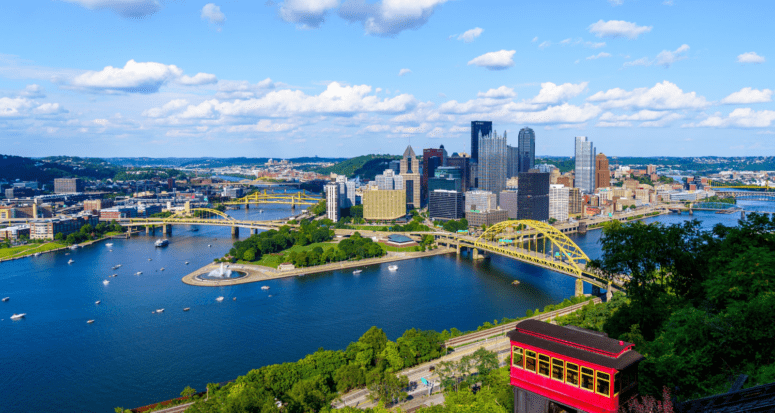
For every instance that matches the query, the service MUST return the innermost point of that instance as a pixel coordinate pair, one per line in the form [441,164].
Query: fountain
[221,273]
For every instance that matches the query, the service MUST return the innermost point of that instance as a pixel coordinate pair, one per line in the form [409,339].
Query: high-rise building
[533,196]
[512,168]
[492,162]
[410,171]
[384,205]
[389,180]
[651,169]
[480,201]
[478,127]
[395,165]
[445,205]
[575,201]
[507,200]
[462,164]
[602,173]
[346,192]
[68,185]
[431,159]
[558,202]
[527,149]
[492,217]
[332,201]
[446,177]
[585,165]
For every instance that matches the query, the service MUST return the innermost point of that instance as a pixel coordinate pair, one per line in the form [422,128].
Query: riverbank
[257,273]
[32,251]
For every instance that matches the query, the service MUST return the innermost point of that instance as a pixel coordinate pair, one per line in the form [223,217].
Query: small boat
[6,299]
[186,262]
[187,308]
[97,302]
[194,229]
[235,298]
[67,253]
[117,266]
[114,275]
[161,310]
[18,316]
[393,267]
[110,250]
[90,321]
[110,244]
[209,245]
[260,211]
[356,272]
[265,287]
[74,247]
[162,242]
[106,282]
[37,254]
[270,295]
[515,282]
[139,273]
[70,261]
[219,299]
[150,259]
[161,269]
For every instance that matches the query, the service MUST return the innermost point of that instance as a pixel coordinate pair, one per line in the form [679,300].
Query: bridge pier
[579,287]
[235,232]
[609,294]
[475,255]
[247,205]
[150,230]
[595,291]
[457,248]
[166,229]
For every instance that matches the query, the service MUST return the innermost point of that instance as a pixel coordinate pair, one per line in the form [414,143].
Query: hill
[365,166]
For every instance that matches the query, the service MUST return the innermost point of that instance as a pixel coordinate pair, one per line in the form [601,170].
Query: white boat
[186,262]
[356,272]
[393,267]
[6,299]
[18,316]
[106,282]
[110,244]
[97,302]
[162,242]
[90,321]
[37,254]
[70,261]
[209,245]
[161,310]
[265,287]
[161,269]
[219,299]
[139,273]
[114,275]
[260,211]
[187,308]
[110,250]
[235,298]
[74,247]
[150,259]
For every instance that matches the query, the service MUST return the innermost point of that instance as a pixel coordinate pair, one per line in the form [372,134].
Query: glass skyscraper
[527,149]
[493,156]
[585,165]
[477,127]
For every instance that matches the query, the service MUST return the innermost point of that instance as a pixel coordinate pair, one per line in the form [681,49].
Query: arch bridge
[532,242]
[716,185]
[264,197]
[199,216]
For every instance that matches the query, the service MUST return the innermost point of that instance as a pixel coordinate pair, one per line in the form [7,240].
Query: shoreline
[81,245]
[260,273]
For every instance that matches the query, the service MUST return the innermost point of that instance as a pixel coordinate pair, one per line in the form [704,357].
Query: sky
[342,78]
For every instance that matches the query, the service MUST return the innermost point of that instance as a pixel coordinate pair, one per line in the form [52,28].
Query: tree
[59,236]
[249,255]
[188,392]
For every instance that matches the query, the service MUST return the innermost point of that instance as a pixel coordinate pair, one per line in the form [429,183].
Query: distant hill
[45,170]
[366,166]
[209,162]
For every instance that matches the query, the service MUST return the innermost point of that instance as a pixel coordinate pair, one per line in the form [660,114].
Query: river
[54,361]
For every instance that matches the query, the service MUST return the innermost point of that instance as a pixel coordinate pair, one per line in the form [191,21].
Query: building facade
[480,201]
[49,228]
[479,218]
[462,163]
[492,162]
[68,185]
[585,165]
[508,200]
[512,161]
[97,204]
[346,192]
[533,196]
[410,171]
[389,180]
[446,205]
[332,201]
[478,127]
[575,201]
[384,205]
[602,173]
[527,149]
[558,202]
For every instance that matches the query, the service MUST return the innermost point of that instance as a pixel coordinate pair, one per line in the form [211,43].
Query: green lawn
[397,249]
[369,227]
[275,260]
[28,249]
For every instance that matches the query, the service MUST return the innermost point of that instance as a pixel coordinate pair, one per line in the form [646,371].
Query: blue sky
[349,77]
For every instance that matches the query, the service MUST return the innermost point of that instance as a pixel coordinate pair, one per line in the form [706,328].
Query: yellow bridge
[264,197]
[722,185]
[203,216]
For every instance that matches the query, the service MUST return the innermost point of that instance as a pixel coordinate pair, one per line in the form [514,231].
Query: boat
[161,310]
[265,287]
[219,299]
[117,266]
[110,244]
[186,262]
[270,295]
[110,250]
[106,282]
[150,259]
[235,298]
[187,308]
[260,211]
[6,299]
[194,229]
[161,269]
[70,261]
[97,302]
[37,254]
[356,272]
[515,282]
[393,267]
[90,321]
[162,242]
[74,247]
[18,316]
[139,273]
[114,275]
[209,245]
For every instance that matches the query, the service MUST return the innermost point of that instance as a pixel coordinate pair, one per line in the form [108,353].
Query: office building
[346,192]
[462,163]
[575,201]
[15,232]
[233,192]
[332,201]
[566,179]
[507,200]
[527,149]
[446,177]
[585,165]
[431,159]
[49,228]
[395,165]
[410,171]
[384,205]
[533,196]
[478,127]
[95,205]
[512,162]
[651,169]
[479,218]
[558,202]
[68,185]
[492,162]
[602,173]
[480,200]
[389,180]
[446,205]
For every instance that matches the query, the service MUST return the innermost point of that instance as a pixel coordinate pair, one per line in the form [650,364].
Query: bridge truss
[722,185]
[264,197]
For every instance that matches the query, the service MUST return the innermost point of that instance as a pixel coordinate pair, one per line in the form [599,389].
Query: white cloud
[662,96]
[551,93]
[14,107]
[165,110]
[666,57]
[377,128]
[403,72]
[470,35]
[33,92]
[307,13]
[643,115]
[616,2]
[499,60]
[502,92]
[544,44]
[198,79]
[599,55]
[213,14]
[389,17]
[124,8]
[228,89]
[565,42]
[619,124]
[663,122]
[748,95]
[741,117]
[49,109]
[618,28]
[264,125]
[750,57]
[535,39]
[594,45]
[458,129]
[565,113]
[643,61]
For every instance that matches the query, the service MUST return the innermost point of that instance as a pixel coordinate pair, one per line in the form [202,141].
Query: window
[603,384]
[530,361]
[617,383]
[558,368]
[543,365]
[572,374]
[517,360]
[587,379]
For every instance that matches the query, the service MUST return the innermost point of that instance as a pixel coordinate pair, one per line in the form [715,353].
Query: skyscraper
[512,168]
[533,196]
[492,162]
[431,159]
[332,201]
[462,164]
[527,149]
[585,165]
[602,173]
[477,127]
[410,171]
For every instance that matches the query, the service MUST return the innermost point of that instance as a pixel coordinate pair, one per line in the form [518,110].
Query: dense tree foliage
[88,232]
[455,226]
[273,241]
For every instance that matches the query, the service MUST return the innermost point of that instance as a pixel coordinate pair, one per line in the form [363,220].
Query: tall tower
[478,126]
[585,165]
[493,155]
[602,174]
[527,149]
[512,168]
[410,171]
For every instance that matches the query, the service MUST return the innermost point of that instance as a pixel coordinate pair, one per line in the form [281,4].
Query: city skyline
[153,78]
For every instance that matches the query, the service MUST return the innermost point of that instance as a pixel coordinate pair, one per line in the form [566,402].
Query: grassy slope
[29,249]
